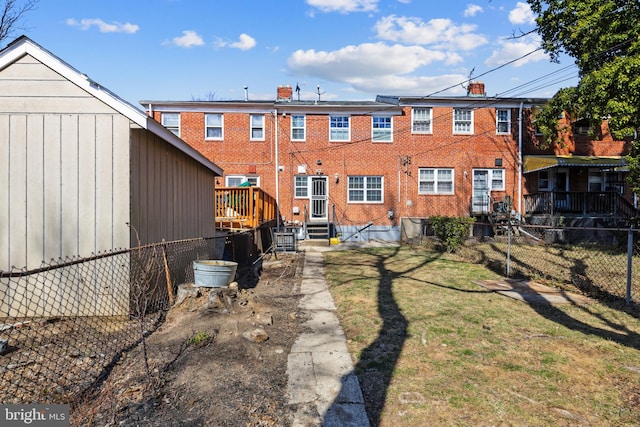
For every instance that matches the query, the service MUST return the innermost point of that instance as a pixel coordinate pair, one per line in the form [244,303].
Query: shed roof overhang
[537,163]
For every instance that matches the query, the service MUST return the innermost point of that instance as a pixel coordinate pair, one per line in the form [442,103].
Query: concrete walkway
[321,382]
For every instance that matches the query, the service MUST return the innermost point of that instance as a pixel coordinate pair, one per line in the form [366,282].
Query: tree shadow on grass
[616,332]
[377,361]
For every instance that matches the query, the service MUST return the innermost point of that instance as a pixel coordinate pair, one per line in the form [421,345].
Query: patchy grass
[431,346]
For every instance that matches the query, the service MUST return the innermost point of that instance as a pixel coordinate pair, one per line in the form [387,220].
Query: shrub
[451,232]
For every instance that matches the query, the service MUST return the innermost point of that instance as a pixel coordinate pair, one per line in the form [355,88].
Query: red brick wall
[236,153]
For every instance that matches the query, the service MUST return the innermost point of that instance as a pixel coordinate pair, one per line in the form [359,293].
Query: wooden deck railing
[605,203]
[243,207]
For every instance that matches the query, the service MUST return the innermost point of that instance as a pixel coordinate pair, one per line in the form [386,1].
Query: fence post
[509,247]
[629,263]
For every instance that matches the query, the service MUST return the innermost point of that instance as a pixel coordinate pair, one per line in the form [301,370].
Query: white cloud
[510,50]
[472,10]
[344,6]
[188,39]
[522,14]
[411,85]
[368,60]
[441,33]
[245,42]
[103,27]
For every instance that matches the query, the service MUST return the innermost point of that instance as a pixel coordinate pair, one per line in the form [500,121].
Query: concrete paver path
[321,382]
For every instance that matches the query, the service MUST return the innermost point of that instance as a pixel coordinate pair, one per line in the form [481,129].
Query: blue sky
[352,49]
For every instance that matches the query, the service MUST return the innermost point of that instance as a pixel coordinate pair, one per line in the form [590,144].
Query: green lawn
[431,346]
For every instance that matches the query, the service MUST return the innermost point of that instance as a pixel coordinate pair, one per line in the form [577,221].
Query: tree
[13,12]
[603,36]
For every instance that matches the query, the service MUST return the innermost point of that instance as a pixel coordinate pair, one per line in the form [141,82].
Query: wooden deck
[243,207]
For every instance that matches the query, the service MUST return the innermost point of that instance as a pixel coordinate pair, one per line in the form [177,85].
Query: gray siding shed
[78,163]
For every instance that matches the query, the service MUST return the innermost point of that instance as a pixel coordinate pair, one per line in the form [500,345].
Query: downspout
[399,209]
[275,114]
[520,159]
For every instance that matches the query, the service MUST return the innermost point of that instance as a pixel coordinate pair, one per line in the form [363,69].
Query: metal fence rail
[63,325]
[601,262]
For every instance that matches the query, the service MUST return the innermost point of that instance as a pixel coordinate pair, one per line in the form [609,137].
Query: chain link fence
[603,263]
[64,325]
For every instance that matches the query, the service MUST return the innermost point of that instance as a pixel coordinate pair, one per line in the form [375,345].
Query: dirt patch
[220,358]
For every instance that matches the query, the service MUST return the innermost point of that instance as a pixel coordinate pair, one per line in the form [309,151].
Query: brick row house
[367,164]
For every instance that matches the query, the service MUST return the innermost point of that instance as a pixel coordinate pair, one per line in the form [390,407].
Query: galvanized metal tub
[214,273]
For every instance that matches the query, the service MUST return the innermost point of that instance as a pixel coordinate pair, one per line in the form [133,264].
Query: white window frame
[302,128]
[383,130]
[507,121]
[365,190]
[253,179]
[173,127]
[494,178]
[301,182]
[436,179]
[256,126]
[339,129]
[544,180]
[418,120]
[207,126]
[463,121]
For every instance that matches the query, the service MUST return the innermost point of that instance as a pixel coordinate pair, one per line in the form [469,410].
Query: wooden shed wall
[64,174]
[172,194]
[64,193]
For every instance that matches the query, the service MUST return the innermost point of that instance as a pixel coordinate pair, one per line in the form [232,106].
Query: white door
[481,193]
[319,198]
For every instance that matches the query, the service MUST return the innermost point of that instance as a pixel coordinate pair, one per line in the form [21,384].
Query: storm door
[480,197]
[319,198]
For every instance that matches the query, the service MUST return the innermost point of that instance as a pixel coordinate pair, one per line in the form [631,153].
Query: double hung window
[213,126]
[463,121]
[339,129]
[365,189]
[172,122]
[435,181]
[421,120]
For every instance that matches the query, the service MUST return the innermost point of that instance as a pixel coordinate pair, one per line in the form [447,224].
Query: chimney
[284,93]
[476,89]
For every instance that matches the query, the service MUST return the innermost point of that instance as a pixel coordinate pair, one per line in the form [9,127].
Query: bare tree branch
[13,12]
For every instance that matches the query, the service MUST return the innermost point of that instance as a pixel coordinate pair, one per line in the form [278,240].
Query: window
[596,180]
[236,180]
[339,128]
[421,120]
[497,179]
[257,127]
[581,127]
[381,129]
[365,189]
[503,121]
[534,113]
[462,121]
[301,186]
[213,126]
[544,181]
[435,181]
[297,128]
[172,122]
